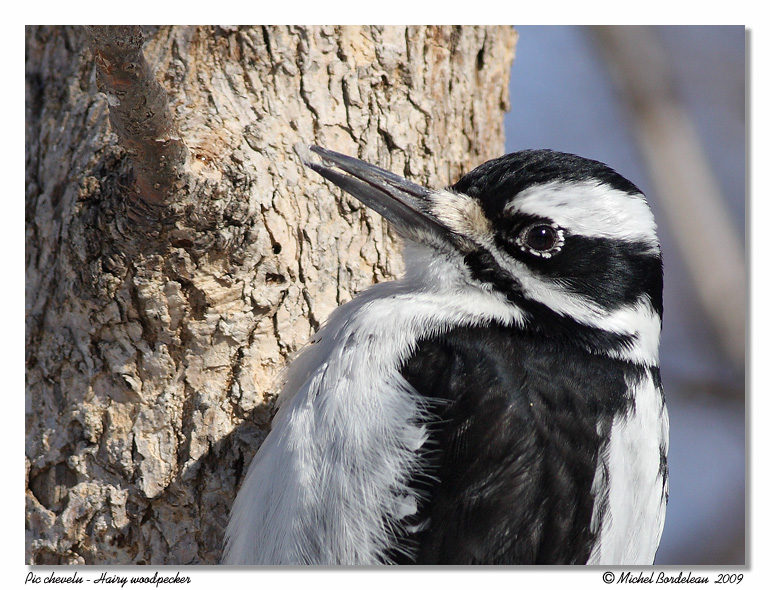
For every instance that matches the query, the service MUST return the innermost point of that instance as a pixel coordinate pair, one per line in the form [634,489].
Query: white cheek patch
[590,209]
[638,320]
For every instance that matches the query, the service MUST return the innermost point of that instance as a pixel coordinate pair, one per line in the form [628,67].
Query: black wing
[513,450]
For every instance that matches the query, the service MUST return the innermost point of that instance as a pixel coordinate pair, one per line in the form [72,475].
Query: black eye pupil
[541,238]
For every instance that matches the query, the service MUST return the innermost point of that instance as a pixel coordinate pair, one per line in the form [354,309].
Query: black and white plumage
[500,404]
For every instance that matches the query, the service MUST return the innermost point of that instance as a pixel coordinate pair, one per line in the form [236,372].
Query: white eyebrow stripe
[590,209]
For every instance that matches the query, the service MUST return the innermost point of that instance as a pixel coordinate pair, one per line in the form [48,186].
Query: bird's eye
[541,239]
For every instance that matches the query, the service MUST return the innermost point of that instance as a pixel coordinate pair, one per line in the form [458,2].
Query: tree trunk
[154,331]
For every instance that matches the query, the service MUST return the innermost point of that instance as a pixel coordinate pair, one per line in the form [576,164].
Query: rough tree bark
[153,333]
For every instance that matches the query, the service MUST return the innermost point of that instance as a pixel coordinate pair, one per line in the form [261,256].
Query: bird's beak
[402,202]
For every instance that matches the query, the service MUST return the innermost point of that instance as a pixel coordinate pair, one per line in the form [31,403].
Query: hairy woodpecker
[500,404]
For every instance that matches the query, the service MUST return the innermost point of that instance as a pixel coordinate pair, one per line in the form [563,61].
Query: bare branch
[139,110]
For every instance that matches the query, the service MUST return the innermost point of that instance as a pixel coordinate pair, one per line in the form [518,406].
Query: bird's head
[567,242]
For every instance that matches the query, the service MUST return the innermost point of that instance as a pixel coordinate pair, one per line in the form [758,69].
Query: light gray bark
[153,333]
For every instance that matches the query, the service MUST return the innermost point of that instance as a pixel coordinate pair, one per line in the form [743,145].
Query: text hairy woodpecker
[499,404]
